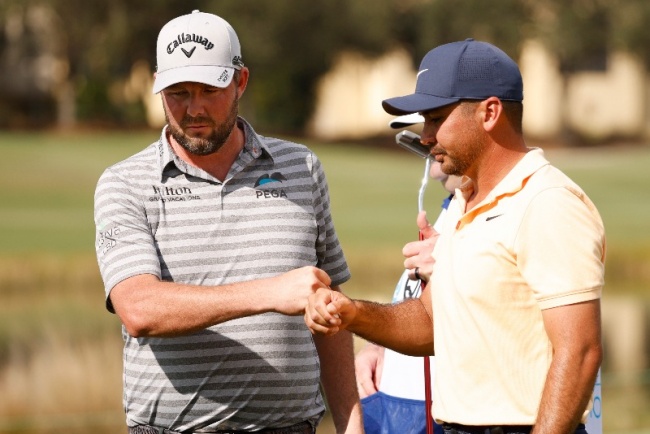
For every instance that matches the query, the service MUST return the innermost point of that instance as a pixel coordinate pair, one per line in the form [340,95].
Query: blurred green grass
[47,188]
[47,183]
[53,298]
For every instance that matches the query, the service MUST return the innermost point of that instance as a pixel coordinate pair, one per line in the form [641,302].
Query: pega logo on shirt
[268,179]
[172,194]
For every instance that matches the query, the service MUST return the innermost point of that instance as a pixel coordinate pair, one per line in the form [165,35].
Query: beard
[459,164]
[204,145]
[467,150]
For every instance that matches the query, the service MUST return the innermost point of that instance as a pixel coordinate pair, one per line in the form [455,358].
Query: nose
[195,105]
[428,136]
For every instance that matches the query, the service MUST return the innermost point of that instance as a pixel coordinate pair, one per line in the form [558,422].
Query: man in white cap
[209,242]
[512,307]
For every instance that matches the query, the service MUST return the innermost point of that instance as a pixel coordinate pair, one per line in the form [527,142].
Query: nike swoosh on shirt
[487,219]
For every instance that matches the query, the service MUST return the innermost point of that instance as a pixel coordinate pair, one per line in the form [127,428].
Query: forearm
[404,327]
[574,331]
[150,307]
[339,382]
[568,389]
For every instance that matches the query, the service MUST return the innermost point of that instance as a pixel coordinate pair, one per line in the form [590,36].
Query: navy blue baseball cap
[466,69]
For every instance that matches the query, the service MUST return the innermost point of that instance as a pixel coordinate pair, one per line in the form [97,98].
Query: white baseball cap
[198,47]
[406,120]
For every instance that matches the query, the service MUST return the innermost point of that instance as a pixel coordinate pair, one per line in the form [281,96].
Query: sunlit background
[75,97]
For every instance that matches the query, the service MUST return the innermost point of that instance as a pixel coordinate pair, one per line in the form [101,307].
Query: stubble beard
[460,163]
[204,145]
[467,153]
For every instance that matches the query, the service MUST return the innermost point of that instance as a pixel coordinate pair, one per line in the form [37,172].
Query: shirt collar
[170,164]
[510,185]
[512,182]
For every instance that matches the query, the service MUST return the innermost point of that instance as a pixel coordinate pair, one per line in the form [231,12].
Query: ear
[492,112]
[243,80]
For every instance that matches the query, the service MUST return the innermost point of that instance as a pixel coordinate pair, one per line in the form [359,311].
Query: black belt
[453,428]
[299,428]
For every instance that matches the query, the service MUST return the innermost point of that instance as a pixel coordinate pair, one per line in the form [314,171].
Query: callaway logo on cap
[197,47]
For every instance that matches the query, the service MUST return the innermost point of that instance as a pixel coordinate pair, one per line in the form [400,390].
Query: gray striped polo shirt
[157,215]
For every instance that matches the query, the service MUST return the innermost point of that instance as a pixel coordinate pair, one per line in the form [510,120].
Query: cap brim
[415,103]
[406,120]
[217,76]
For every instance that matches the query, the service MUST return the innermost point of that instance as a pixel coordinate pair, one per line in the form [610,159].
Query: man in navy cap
[512,307]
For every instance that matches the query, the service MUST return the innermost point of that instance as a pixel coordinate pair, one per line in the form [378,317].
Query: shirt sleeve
[123,238]
[328,248]
[560,248]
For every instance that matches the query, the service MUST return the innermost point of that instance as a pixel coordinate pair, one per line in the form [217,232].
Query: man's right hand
[329,311]
[368,366]
[418,253]
[294,287]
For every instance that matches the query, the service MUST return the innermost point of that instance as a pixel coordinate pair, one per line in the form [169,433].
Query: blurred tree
[33,62]
[502,23]
[105,41]
[630,20]
[92,44]
[289,46]
[578,32]
[582,34]
[59,59]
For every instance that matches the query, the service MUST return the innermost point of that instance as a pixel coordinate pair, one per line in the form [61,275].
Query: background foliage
[60,60]
[53,48]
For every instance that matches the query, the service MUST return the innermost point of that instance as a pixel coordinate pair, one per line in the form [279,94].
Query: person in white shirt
[392,385]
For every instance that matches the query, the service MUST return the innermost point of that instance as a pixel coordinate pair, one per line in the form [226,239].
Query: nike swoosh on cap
[420,72]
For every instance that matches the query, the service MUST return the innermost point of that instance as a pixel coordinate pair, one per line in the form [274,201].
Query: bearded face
[207,144]
[458,139]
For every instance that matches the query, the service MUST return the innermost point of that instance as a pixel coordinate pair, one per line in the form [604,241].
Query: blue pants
[385,414]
